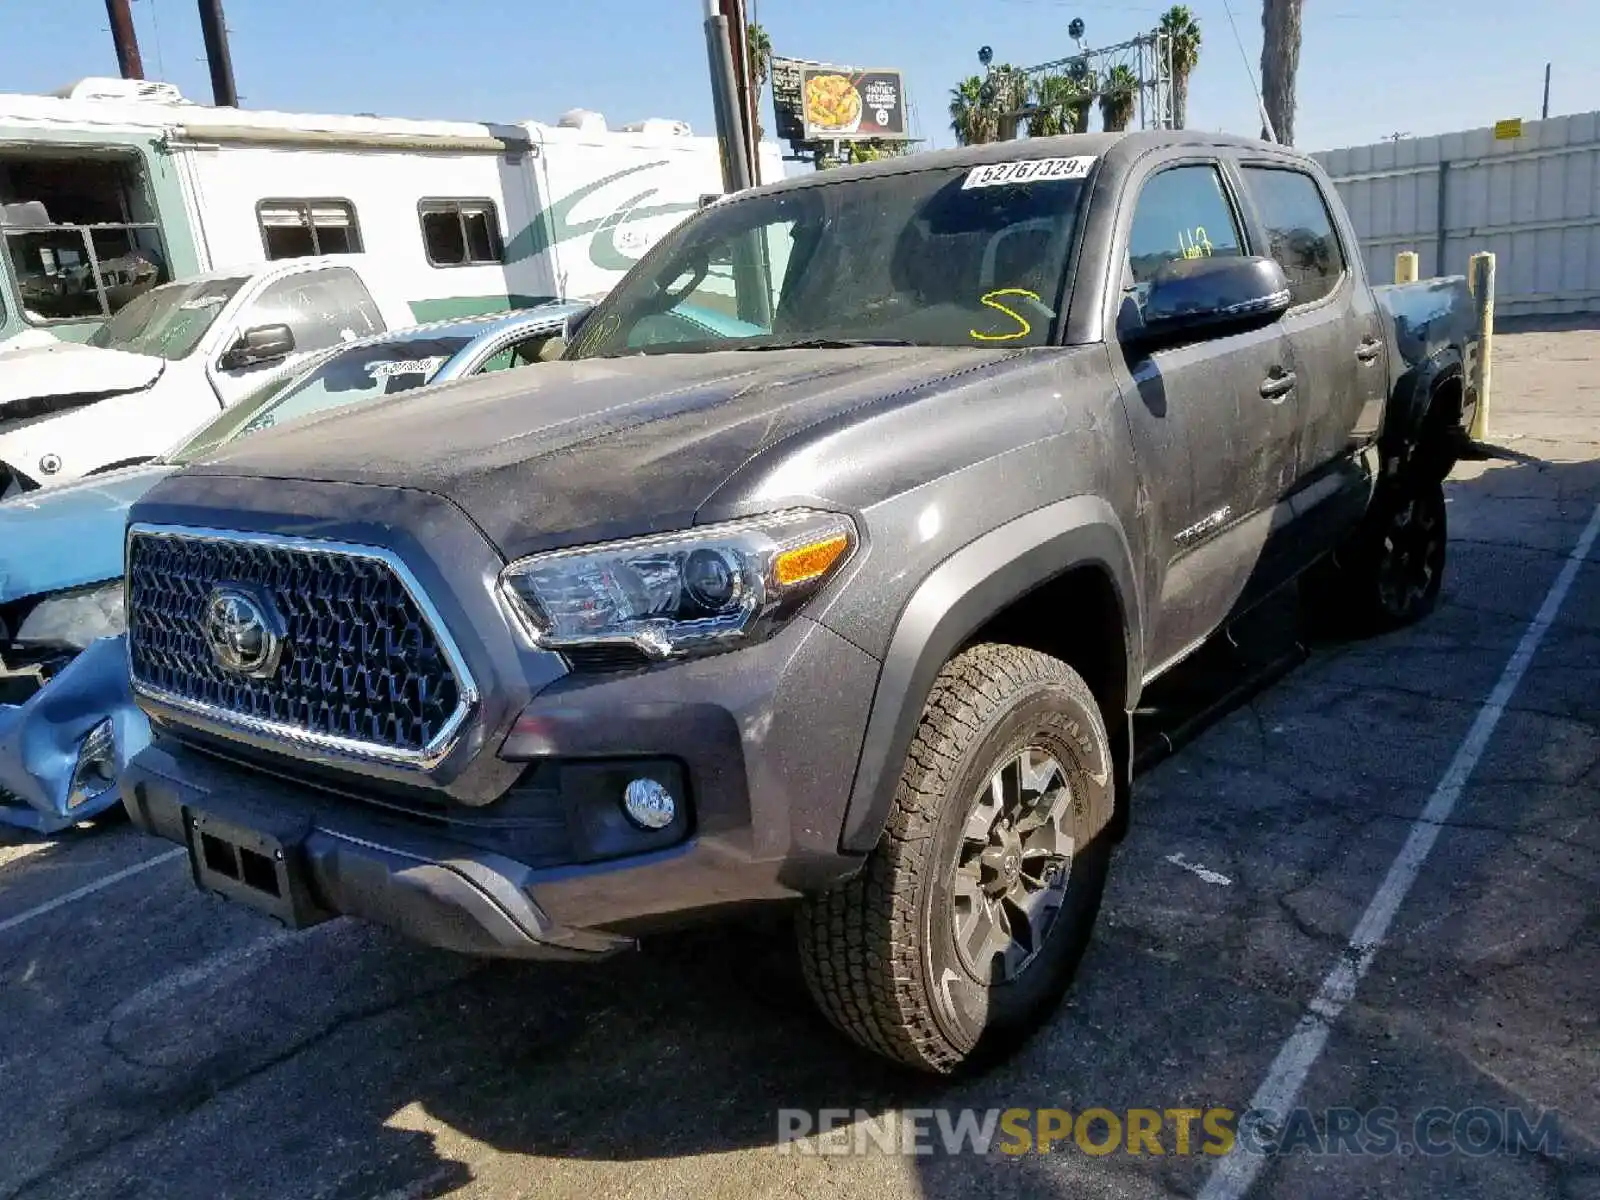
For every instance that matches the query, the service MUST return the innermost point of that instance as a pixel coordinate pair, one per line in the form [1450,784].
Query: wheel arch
[1414,394]
[1071,550]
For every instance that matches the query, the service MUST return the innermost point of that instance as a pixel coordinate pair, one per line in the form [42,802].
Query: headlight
[75,619]
[706,589]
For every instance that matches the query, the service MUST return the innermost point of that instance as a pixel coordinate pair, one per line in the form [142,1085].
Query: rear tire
[960,935]
[1390,573]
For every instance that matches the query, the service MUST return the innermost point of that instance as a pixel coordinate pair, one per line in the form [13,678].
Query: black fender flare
[1411,396]
[955,599]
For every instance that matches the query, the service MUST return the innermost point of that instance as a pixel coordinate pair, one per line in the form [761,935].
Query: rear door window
[1300,233]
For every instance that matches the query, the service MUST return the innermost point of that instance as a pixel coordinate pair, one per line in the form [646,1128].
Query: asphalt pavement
[1372,888]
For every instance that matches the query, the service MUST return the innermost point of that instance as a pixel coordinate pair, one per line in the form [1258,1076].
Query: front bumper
[759,746]
[279,851]
[41,738]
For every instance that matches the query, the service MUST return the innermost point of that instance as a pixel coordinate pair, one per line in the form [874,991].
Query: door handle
[1277,385]
[1369,349]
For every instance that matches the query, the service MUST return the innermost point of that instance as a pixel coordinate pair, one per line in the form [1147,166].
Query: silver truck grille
[361,662]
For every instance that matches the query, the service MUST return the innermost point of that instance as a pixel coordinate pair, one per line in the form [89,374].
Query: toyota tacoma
[825,568]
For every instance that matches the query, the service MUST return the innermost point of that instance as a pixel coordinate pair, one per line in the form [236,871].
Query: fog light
[648,804]
[96,769]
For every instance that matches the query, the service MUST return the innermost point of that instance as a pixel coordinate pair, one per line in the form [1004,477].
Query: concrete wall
[1534,201]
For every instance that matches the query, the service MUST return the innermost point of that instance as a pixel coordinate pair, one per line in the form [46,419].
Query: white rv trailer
[110,187]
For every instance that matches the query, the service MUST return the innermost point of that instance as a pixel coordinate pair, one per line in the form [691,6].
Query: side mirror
[1193,298]
[261,344]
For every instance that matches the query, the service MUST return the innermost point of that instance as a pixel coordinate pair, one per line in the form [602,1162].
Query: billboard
[818,102]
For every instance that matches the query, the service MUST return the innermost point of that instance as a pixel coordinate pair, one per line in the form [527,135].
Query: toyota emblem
[243,631]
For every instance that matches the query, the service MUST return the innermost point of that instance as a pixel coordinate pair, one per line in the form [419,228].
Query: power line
[155,26]
[1250,72]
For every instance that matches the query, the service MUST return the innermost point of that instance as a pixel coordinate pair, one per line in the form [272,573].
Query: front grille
[361,666]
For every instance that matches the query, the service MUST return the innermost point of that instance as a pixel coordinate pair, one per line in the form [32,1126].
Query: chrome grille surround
[357,622]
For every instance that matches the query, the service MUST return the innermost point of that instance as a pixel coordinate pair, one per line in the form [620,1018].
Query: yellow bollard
[1406,266]
[1480,280]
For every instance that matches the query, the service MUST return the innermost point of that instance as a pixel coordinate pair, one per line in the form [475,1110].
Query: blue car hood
[69,536]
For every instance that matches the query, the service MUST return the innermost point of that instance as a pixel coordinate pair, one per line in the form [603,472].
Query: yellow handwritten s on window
[995,301]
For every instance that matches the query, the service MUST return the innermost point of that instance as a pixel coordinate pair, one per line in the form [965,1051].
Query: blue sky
[1369,68]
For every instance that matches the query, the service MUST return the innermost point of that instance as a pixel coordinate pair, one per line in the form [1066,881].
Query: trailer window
[301,228]
[79,233]
[458,233]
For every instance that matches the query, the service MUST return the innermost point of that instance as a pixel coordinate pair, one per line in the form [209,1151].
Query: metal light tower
[1148,57]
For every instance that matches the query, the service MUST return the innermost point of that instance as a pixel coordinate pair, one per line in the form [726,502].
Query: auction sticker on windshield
[405,366]
[1032,170]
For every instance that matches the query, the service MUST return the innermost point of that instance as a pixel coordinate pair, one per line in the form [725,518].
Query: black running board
[1162,744]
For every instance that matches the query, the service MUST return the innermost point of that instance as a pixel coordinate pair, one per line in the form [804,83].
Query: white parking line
[90,889]
[1232,1176]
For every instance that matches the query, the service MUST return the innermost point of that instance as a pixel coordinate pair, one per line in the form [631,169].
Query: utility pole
[749,274]
[725,98]
[739,45]
[1545,115]
[123,37]
[215,30]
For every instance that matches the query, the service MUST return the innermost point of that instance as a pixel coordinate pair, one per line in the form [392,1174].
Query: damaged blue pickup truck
[63,661]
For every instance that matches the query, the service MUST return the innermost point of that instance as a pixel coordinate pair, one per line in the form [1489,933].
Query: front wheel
[960,935]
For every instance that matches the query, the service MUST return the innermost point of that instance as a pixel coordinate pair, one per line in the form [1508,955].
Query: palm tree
[1009,91]
[758,53]
[1084,87]
[971,116]
[1280,60]
[1061,104]
[1117,100]
[1052,106]
[1183,35]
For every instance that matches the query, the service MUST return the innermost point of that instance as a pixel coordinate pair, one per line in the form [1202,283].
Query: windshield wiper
[828,344]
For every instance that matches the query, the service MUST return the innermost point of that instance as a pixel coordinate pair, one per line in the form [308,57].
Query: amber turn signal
[810,561]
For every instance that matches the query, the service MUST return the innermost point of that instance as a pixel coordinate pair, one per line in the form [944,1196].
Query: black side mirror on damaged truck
[1194,298]
[259,344]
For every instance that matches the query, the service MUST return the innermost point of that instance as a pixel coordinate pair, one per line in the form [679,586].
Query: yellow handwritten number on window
[1195,244]
[990,299]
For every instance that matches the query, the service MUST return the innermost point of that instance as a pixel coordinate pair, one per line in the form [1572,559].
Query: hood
[68,369]
[69,536]
[579,451]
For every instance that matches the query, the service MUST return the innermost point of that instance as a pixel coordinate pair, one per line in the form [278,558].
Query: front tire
[958,938]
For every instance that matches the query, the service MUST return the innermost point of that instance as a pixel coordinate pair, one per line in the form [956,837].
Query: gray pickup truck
[826,569]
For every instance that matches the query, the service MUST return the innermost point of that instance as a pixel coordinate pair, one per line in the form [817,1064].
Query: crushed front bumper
[41,739]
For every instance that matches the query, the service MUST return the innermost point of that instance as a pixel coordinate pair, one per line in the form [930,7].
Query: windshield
[347,376]
[956,257]
[167,321]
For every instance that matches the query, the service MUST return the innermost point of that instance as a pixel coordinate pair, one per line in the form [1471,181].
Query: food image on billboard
[833,105]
